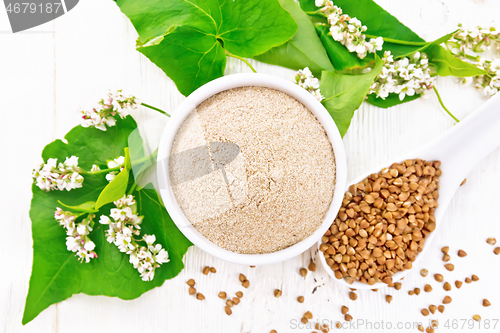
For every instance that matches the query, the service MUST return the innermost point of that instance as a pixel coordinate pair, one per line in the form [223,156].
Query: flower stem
[318,12]
[242,59]
[132,188]
[397,41]
[444,107]
[138,175]
[97,172]
[139,161]
[156,109]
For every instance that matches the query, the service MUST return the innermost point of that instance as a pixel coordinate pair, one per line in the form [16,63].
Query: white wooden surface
[47,72]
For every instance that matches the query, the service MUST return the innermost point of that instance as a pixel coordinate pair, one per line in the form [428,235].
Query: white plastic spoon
[460,149]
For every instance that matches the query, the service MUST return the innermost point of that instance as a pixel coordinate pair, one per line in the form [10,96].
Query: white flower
[349,31]
[104,112]
[123,225]
[117,162]
[404,77]
[83,254]
[64,176]
[72,244]
[71,162]
[110,235]
[149,239]
[104,219]
[467,43]
[95,168]
[121,214]
[162,257]
[479,39]
[110,176]
[495,66]
[126,201]
[89,245]
[81,229]
[148,275]
[124,242]
[77,240]
[306,80]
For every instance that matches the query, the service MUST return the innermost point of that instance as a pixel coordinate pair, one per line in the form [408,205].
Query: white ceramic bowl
[235,81]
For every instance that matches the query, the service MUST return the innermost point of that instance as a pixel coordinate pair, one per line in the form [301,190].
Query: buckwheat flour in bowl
[253,170]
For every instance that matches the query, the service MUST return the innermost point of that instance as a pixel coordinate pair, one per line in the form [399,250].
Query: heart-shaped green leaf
[188,39]
[57,274]
[304,49]
[344,93]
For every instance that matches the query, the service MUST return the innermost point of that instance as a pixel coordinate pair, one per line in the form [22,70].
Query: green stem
[156,109]
[139,175]
[468,56]
[397,41]
[465,55]
[242,59]
[97,172]
[139,161]
[444,107]
[132,188]
[318,12]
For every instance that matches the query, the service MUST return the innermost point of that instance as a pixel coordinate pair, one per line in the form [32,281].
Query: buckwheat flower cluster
[348,31]
[405,77]
[124,224]
[103,114]
[63,176]
[478,39]
[467,43]
[78,240]
[489,83]
[306,80]
[117,162]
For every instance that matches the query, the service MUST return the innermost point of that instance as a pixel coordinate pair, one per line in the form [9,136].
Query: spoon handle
[461,148]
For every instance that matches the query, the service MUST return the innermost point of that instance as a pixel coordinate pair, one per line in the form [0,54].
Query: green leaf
[447,64]
[339,55]
[188,39]
[303,50]
[309,7]
[84,207]
[344,93]
[57,274]
[391,100]
[117,188]
[380,23]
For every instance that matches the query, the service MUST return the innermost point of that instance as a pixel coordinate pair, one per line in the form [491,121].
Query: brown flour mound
[280,185]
